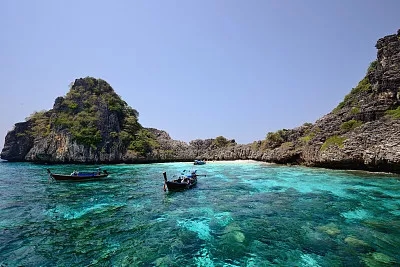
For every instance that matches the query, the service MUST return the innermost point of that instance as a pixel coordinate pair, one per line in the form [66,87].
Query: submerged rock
[330,229]
[355,242]
[378,259]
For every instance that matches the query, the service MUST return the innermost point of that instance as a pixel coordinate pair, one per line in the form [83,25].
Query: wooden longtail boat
[79,176]
[182,183]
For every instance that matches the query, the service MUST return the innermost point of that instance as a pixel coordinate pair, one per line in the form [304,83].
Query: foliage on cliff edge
[93,114]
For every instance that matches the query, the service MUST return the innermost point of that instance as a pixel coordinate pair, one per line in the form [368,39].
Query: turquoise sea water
[240,214]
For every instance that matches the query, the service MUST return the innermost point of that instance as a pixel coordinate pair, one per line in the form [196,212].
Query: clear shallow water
[240,214]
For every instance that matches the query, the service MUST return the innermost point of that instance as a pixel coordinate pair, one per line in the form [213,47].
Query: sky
[196,69]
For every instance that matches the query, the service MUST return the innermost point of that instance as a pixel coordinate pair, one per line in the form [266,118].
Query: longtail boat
[185,181]
[199,162]
[79,176]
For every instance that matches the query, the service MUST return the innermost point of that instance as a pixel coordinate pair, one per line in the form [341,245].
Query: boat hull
[177,186]
[78,178]
[182,183]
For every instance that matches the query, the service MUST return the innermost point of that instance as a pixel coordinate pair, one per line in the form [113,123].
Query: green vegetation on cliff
[144,142]
[351,98]
[40,124]
[307,138]
[350,125]
[333,140]
[82,110]
[394,113]
[372,66]
[221,141]
[275,139]
[309,134]
[355,110]
[93,114]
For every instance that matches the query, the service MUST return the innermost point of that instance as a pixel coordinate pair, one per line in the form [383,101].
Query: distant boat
[199,162]
[183,182]
[79,176]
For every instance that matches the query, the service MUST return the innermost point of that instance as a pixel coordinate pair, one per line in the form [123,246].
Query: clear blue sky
[196,69]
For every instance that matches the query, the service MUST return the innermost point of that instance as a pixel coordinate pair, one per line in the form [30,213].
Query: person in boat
[182,179]
[74,173]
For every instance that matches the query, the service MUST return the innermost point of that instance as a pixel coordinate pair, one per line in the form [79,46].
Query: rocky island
[92,124]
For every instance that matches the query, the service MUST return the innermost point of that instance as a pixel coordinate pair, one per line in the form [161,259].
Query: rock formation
[363,132]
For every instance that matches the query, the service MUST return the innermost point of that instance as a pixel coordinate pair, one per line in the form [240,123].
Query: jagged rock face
[371,142]
[387,75]
[17,144]
[374,145]
[60,147]
[170,150]
[98,108]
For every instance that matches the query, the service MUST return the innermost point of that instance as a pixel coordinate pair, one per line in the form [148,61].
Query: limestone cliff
[92,124]
[363,132]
